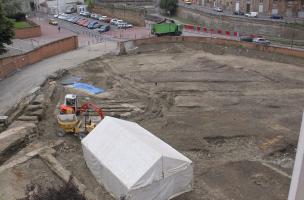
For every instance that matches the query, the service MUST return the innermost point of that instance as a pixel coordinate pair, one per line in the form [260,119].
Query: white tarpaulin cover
[134,164]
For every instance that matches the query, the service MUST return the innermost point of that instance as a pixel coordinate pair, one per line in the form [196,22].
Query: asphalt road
[19,85]
[229,13]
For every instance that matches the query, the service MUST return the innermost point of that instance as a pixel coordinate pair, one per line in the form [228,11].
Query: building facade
[288,8]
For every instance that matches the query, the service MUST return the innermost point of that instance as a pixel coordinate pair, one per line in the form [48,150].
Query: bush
[170,6]
[18,17]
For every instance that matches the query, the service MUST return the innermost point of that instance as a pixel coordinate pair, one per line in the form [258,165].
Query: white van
[252,14]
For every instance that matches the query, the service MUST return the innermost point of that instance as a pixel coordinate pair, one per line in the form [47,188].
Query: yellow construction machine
[76,120]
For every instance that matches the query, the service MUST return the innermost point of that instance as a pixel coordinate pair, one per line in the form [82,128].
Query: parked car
[85,13]
[75,19]
[275,16]
[94,16]
[246,38]
[238,13]
[129,25]
[53,22]
[70,19]
[86,23]
[188,2]
[252,14]
[113,21]
[121,25]
[82,22]
[218,9]
[261,41]
[103,28]
[79,21]
[92,24]
[119,22]
[97,25]
[62,16]
[107,20]
[104,19]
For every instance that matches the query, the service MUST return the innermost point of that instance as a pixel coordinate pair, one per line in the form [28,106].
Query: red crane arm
[97,109]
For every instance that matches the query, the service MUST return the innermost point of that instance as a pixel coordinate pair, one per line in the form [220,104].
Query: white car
[102,18]
[218,9]
[129,25]
[63,16]
[252,14]
[94,16]
[121,25]
[119,22]
[85,13]
[113,21]
[261,41]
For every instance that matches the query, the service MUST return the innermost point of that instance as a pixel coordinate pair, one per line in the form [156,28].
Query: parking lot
[113,34]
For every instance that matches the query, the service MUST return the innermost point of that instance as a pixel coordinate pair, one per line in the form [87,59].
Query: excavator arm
[89,105]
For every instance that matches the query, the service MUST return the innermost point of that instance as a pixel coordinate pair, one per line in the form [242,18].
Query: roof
[132,153]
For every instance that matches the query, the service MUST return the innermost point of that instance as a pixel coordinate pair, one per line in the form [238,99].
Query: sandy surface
[233,116]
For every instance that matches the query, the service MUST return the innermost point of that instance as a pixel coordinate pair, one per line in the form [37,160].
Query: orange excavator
[70,117]
[70,106]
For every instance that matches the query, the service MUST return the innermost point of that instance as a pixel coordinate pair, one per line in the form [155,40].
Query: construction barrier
[199,29]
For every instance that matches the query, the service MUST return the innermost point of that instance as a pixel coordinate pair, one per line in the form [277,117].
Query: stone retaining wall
[219,41]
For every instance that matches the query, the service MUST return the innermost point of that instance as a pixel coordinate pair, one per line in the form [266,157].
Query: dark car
[91,24]
[246,38]
[104,28]
[97,25]
[75,19]
[276,16]
[238,13]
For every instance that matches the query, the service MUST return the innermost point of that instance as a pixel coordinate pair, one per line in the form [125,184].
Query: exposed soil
[228,113]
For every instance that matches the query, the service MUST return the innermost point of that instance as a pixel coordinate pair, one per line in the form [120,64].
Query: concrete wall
[23,33]
[218,41]
[130,14]
[243,25]
[10,64]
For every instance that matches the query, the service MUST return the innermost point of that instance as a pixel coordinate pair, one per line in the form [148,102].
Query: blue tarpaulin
[88,88]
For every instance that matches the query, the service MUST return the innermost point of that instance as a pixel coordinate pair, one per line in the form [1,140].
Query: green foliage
[90,4]
[170,6]
[10,7]
[6,30]
[18,25]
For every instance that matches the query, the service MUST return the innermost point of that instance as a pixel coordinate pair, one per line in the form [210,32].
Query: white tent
[134,164]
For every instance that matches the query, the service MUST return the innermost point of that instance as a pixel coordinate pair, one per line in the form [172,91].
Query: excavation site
[234,112]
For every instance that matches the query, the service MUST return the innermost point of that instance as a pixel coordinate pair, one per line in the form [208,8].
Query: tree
[6,30]
[11,7]
[170,6]
[90,4]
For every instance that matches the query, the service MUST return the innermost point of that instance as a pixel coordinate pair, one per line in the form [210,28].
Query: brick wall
[30,32]
[10,64]
[218,41]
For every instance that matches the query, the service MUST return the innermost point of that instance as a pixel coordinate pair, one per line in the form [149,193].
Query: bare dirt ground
[235,113]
